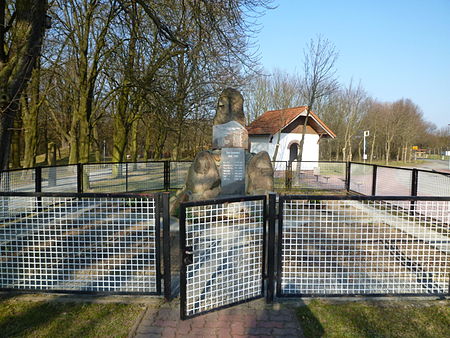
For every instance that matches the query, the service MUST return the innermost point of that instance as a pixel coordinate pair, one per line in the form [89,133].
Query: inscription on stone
[230,135]
[232,171]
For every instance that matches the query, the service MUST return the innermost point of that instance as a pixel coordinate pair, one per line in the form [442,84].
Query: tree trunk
[15,144]
[148,144]
[16,64]
[372,148]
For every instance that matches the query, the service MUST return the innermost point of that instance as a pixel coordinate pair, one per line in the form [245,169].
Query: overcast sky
[397,48]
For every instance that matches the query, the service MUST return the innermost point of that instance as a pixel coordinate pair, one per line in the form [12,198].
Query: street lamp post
[366,134]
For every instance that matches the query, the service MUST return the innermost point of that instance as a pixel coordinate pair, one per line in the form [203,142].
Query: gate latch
[188,255]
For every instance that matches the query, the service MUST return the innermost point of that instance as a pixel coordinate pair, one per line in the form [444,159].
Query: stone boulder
[203,181]
[259,174]
[230,107]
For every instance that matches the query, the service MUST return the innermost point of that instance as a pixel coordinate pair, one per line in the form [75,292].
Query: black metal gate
[222,246]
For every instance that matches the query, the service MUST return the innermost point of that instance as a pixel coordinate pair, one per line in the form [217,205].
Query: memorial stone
[229,167]
[232,171]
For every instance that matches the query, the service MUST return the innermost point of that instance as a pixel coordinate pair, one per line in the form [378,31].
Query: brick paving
[253,319]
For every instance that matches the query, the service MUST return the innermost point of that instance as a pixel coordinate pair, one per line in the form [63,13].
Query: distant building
[285,127]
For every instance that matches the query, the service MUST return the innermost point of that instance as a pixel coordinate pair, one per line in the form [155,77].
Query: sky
[397,48]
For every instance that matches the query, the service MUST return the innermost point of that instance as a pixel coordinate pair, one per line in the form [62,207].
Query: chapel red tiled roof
[273,121]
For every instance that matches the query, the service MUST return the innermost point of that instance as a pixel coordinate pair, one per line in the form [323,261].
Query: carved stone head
[230,107]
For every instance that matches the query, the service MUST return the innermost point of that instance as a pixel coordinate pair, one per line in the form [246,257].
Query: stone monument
[229,168]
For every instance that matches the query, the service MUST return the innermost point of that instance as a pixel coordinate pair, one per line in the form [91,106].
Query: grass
[21,318]
[375,319]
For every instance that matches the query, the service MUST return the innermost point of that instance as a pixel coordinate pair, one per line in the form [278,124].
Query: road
[438,165]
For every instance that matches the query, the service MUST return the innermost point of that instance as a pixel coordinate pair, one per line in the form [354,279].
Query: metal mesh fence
[282,176]
[309,175]
[87,244]
[364,247]
[393,181]
[226,241]
[433,184]
[124,177]
[17,180]
[178,174]
[361,176]
[60,179]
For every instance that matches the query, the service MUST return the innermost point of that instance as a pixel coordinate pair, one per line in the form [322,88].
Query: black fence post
[38,179]
[279,241]
[288,183]
[347,176]
[166,175]
[126,177]
[374,179]
[415,181]
[38,186]
[80,178]
[166,246]
[271,249]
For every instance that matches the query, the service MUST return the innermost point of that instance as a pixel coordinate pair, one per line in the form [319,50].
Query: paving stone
[281,317]
[202,332]
[238,329]
[286,332]
[258,331]
[168,314]
[224,332]
[145,335]
[293,324]
[169,332]
[270,324]
[262,315]
[246,320]
[165,323]
[150,330]
[197,322]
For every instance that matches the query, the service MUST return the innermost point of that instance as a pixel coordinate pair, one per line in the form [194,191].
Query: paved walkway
[253,319]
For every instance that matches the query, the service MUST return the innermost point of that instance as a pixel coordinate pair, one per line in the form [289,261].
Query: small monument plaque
[232,171]
[230,135]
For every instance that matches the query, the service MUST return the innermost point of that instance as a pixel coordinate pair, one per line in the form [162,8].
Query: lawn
[21,318]
[375,319]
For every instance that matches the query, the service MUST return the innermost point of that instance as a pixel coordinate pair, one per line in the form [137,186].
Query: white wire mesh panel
[124,177]
[18,180]
[318,175]
[178,174]
[227,244]
[331,176]
[393,182]
[60,179]
[433,184]
[79,244]
[361,177]
[281,175]
[106,177]
[363,247]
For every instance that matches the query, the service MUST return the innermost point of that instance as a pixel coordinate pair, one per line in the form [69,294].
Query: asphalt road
[438,165]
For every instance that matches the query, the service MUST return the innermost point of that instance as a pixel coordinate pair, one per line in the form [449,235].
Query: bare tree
[319,77]
[22,26]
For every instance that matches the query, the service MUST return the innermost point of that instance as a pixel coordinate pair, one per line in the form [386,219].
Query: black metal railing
[381,180]
[152,176]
